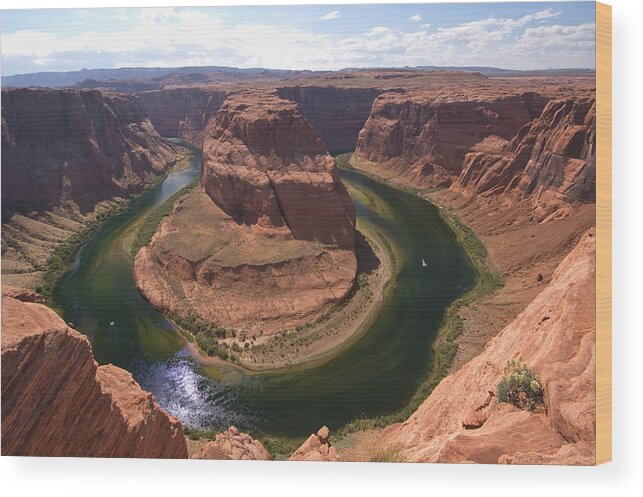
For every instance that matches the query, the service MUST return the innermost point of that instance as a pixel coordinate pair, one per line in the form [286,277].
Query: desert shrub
[520,387]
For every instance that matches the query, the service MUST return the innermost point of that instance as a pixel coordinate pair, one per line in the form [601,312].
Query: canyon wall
[481,142]
[267,242]
[551,160]
[462,420]
[182,112]
[337,114]
[73,149]
[56,401]
[425,135]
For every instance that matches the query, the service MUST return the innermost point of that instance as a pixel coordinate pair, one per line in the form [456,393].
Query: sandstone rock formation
[56,401]
[263,164]
[462,420]
[232,444]
[316,448]
[337,114]
[552,160]
[425,136]
[267,243]
[72,149]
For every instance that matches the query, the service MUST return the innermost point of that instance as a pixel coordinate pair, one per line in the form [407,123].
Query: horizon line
[301,70]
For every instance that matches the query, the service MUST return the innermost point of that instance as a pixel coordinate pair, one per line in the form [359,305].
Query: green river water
[377,375]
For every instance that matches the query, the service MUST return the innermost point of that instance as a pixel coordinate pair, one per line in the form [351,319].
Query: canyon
[267,242]
[71,149]
[69,156]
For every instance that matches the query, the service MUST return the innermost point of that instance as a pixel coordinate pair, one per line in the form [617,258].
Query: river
[377,375]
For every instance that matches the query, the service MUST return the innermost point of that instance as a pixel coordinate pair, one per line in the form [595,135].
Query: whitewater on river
[376,375]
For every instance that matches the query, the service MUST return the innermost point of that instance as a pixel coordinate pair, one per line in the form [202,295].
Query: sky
[538,35]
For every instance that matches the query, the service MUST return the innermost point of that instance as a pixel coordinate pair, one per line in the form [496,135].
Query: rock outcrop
[56,401]
[462,419]
[264,164]
[182,112]
[425,135]
[316,448]
[552,160]
[73,149]
[235,445]
[267,243]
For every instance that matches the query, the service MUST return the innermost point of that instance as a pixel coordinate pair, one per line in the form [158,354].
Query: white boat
[424,264]
[112,323]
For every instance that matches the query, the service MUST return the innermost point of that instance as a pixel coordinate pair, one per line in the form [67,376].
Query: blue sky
[535,35]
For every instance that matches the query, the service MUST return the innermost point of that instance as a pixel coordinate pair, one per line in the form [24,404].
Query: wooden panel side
[603,233]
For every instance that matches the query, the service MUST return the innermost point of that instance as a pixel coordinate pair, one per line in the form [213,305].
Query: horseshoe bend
[225,272]
[266,243]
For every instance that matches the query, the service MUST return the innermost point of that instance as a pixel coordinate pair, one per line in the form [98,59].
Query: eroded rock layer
[425,136]
[555,335]
[267,242]
[552,160]
[56,401]
[71,148]
[264,164]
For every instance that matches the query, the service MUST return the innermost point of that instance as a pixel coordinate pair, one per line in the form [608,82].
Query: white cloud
[168,37]
[415,18]
[379,30]
[331,15]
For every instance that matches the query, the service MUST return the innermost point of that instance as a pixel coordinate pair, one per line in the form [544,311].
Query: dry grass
[366,446]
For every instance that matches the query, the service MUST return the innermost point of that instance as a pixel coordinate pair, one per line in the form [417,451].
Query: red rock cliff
[337,114]
[62,147]
[551,160]
[267,243]
[424,135]
[263,164]
[56,401]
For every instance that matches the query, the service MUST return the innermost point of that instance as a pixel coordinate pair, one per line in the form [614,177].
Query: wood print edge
[603,233]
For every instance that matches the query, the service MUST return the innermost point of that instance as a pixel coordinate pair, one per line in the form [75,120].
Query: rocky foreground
[56,401]
[266,243]
[463,421]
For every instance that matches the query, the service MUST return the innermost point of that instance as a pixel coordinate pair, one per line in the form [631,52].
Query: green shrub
[520,387]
